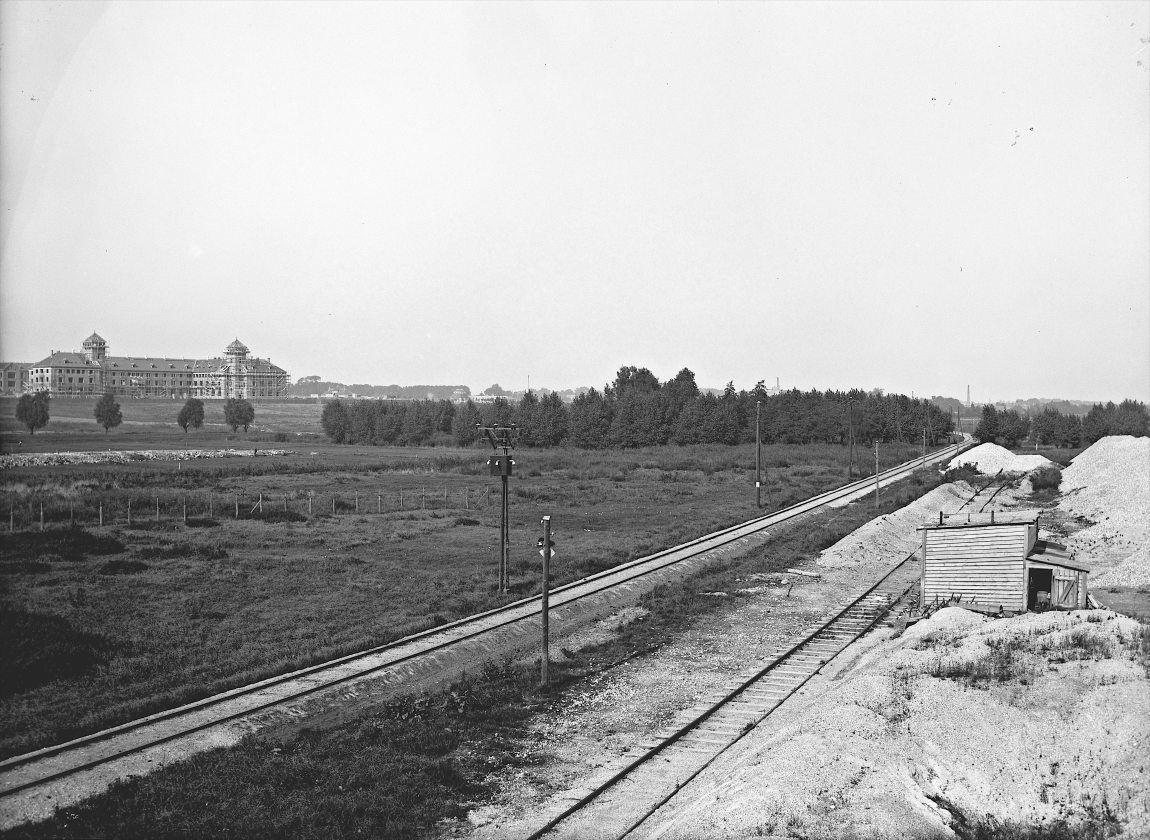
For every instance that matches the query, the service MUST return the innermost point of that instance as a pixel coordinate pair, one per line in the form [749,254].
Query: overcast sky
[909,196]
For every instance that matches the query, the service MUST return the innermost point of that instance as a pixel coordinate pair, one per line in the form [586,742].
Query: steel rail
[640,567]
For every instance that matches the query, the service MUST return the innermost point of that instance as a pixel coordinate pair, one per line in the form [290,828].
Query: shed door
[1065,592]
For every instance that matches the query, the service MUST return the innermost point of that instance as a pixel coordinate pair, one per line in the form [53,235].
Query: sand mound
[1109,484]
[989,458]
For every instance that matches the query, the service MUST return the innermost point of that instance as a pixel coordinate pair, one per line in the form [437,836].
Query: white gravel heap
[888,539]
[989,458]
[1109,484]
[124,456]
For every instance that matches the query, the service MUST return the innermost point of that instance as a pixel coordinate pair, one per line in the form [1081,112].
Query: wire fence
[196,508]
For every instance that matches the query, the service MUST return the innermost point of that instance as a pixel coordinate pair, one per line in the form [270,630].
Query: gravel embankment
[124,456]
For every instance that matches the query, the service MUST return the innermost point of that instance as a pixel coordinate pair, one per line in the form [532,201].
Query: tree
[334,421]
[238,412]
[108,412]
[1131,418]
[590,420]
[32,410]
[463,424]
[987,429]
[1012,427]
[192,414]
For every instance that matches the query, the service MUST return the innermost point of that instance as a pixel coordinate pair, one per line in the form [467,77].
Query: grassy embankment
[401,771]
[148,617]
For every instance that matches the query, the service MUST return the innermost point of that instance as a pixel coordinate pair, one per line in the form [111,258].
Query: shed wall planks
[981,564]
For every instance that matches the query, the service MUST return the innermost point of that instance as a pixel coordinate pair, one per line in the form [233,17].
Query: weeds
[1003,662]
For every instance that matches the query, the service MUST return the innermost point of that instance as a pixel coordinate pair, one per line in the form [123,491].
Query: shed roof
[1054,554]
[981,520]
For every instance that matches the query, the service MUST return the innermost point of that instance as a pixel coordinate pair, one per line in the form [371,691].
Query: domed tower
[95,348]
[236,352]
[236,356]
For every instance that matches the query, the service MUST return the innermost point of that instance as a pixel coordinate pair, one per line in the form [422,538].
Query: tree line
[34,411]
[638,410]
[1053,428]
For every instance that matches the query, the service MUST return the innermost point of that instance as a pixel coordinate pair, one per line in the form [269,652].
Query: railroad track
[655,771]
[34,784]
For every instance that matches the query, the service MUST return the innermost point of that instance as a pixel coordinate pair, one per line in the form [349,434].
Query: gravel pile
[124,456]
[1109,484]
[888,539]
[989,458]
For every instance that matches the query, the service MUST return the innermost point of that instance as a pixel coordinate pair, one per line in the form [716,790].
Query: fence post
[11,520]
[185,501]
[41,516]
[237,506]
[309,506]
[261,502]
[357,501]
[467,498]
[379,503]
[401,499]
[101,514]
[129,512]
[333,504]
[445,495]
[157,508]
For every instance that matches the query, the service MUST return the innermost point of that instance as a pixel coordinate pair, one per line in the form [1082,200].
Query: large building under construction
[92,371]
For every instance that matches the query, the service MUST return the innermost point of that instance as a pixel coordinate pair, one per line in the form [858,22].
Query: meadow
[105,624]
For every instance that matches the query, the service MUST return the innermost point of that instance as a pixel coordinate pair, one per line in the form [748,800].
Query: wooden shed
[996,562]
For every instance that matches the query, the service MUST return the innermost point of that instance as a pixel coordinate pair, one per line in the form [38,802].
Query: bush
[963,472]
[1046,478]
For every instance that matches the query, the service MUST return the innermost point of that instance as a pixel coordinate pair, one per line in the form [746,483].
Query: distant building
[92,371]
[13,377]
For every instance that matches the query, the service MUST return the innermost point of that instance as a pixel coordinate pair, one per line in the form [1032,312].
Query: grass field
[105,624]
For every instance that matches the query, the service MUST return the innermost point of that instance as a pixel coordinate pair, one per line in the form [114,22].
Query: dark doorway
[1039,585]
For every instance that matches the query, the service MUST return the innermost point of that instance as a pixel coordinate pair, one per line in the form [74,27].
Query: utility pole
[545,550]
[758,454]
[851,436]
[876,475]
[503,465]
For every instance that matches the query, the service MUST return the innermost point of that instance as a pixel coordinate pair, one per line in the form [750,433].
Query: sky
[912,196]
